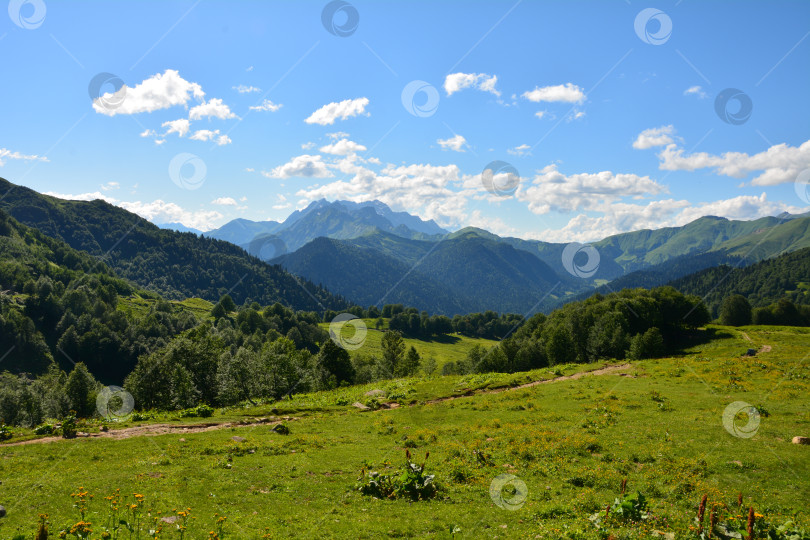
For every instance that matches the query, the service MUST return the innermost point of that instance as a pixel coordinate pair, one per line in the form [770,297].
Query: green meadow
[568,444]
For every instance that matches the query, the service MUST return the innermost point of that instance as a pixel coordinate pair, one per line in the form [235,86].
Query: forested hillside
[763,283]
[175,265]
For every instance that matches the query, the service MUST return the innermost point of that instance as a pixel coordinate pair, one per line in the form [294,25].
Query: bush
[735,311]
[44,429]
[650,344]
[5,433]
[69,427]
[413,483]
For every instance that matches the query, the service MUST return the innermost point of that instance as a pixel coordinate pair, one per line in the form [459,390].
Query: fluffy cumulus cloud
[305,165]
[210,135]
[266,105]
[456,82]
[568,93]
[552,190]
[455,143]
[180,126]
[343,147]
[623,217]
[6,154]
[225,201]
[649,138]
[213,108]
[160,91]
[348,108]
[778,164]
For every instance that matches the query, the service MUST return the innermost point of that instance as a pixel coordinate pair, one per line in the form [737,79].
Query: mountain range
[368,254]
[372,255]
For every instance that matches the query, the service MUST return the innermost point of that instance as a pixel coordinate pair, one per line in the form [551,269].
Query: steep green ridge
[60,304]
[763,283]
[466,272]
[176,265]
[368,276]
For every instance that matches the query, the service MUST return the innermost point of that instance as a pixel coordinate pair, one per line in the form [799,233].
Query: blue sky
[254,109]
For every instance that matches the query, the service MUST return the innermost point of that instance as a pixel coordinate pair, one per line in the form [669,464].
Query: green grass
[445,348]
[571,442]
[139,306]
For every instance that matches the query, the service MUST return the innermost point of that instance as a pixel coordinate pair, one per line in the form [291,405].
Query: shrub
[5,433]
[44,429]
[413,483]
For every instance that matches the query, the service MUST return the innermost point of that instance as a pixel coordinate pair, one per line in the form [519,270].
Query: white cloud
[96,195]
[330,112]
[568,92]
[148,133]
[456,82]
[266,105]
[305,165]
[456,143]
[213,108]
[338,135]
[522,150]
[179,126]
[5,154]
[660,136]
[242,89]
[110,186]
[343,147]
[210,135]
[308,145]
[225,201]
[778,164]
[552,190]
[167,212]
[695,91]
[160,91]
[623,217]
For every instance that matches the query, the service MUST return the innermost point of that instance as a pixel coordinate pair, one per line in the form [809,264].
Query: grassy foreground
[571,442]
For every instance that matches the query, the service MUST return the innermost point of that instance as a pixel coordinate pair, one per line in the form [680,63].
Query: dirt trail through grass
[152,430]
[601,371]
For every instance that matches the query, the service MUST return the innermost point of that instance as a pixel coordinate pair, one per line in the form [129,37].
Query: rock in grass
[2,511]
[238,439]
[376,393]
[360,406]
[281,429]
[801,440]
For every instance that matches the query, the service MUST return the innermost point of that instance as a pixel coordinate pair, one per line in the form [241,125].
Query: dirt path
[601,371]
[153,430]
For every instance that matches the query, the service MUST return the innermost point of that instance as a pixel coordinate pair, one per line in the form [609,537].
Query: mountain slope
[340,220]
[763,283]
[241,231]
[176,265]
[463,273]
[369,277]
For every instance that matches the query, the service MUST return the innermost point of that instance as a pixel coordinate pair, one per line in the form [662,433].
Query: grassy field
[445,348]
[571,442]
